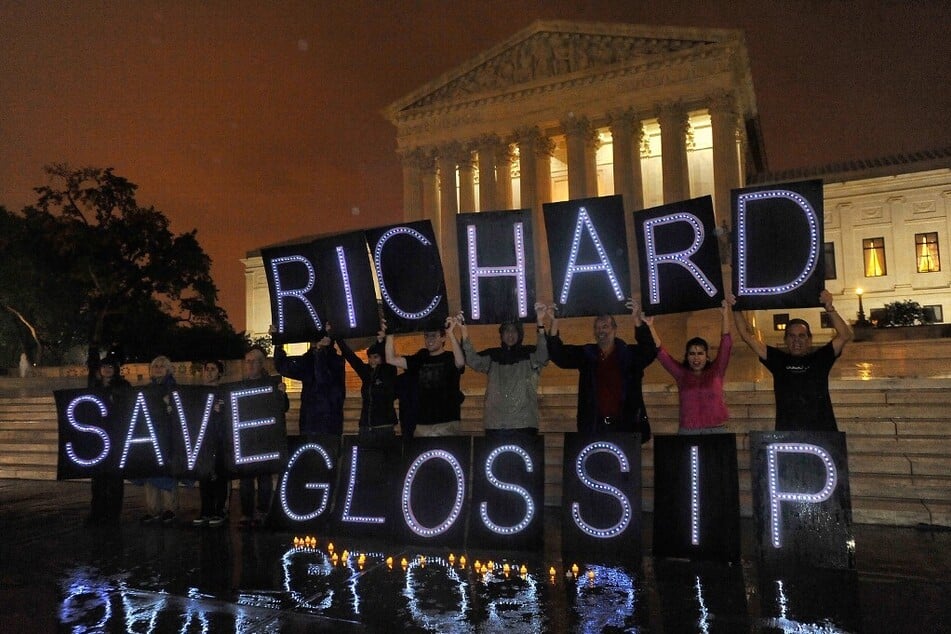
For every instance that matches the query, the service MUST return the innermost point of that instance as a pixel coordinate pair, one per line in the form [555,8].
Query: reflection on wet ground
[59,575]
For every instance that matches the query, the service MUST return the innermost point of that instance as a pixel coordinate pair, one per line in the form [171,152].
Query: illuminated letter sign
[780,229]
[588,238]
[508,492]
[292,286]
[679,259]
[367,482]
[141,411]
[696,497]
[258,436]
[84,419]
[496,271]
[192,455]
[306,486]
[346,286]
[801,497]
[433,494]
[602,494]
[409,274]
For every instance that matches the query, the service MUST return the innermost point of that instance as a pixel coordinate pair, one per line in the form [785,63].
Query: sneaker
[168,518]
[198,522]
[148,519]
[216,521]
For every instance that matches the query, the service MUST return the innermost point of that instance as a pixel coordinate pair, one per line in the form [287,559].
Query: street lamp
[861,321]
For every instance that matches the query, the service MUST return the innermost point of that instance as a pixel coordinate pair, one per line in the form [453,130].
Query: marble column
[488,150]
[673,142]
[579,137]
[503,176]
[430,188]
[466,164]
[626,133]
[726,161]
[412,184]
[535,151]
[448,209]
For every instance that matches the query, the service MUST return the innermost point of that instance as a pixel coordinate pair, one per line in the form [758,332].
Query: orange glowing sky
[257,122]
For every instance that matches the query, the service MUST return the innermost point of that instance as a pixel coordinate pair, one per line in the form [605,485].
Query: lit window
[926,252]
[828,253]
[873,250]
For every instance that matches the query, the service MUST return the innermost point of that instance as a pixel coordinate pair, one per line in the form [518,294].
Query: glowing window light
[742,242]
[298,293]
[351,485]
[679,258]
[517,270]
[584,222]
[152,439]
[378,262]
[508,487]
[323,487]
[237,395]
[75,424]
[777,497]
[191,453]
[406,497]
[348,292]
[695,495]
[601,487]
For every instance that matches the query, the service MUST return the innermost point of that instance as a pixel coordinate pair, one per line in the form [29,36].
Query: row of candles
[310,542]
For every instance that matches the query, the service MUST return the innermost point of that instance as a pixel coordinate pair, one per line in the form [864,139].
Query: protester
[610,374]
[435,373]
[213,489]
[161,493]
[320,371]
[107,489]
[801,374]
[254,511]
[377,387]
[513,370]
[700,378]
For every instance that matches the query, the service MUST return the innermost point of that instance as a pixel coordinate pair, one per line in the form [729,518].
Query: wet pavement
[58,575]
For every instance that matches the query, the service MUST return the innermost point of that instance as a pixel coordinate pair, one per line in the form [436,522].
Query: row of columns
[429,175]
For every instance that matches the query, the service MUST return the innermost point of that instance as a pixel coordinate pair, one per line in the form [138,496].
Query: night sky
[256,123]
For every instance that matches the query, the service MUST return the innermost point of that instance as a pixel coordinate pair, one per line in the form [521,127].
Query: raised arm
[843,332]
[390,350]
[746,334]
[457,353]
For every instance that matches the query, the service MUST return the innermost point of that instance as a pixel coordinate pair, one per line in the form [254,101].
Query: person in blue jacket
[321,373]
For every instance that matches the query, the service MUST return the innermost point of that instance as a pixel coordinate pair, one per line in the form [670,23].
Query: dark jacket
[322,388]
[378,389]
[632,359]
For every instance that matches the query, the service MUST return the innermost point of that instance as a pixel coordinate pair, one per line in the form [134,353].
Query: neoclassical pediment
[552,52]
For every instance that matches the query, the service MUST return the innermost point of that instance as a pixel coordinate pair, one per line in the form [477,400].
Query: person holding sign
[107,489]
[213,489]
[320,371]
[511,394]
[610,374]
[700,379]
[377,387]
[161,492]
[435,372]
[801,374]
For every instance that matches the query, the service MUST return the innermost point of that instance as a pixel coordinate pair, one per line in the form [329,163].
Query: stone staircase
[898,433]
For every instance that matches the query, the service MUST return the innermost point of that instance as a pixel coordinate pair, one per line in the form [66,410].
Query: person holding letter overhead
[377,387]
[801,374]
[700,379]
[511,395]
[320,371]
[435,372]
[610,374]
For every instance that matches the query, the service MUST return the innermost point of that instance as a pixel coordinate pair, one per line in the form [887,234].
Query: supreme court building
[567,110]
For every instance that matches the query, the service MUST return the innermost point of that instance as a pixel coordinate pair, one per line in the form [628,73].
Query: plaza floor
[58,575]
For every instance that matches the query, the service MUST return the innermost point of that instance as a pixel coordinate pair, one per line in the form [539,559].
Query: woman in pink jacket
[700,379]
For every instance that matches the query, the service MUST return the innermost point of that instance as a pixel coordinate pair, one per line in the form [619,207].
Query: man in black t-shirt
[436,372]
[801,374]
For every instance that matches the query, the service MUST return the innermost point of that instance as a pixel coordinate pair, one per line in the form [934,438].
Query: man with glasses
[801,374]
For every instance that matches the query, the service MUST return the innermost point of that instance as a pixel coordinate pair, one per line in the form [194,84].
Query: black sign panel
[292,282]
[413,290]
[345,280]
[366,501]
[256,428]
[680,259]
[601,499]
[308,485]
[801,501]
[696,497]
[90,432]
[198,430]
[496,266]
[777,246]
[587,248]
[508,493]
[434,493]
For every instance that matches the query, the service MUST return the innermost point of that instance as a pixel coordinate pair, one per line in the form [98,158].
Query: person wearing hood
[513,369]
[323,391]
